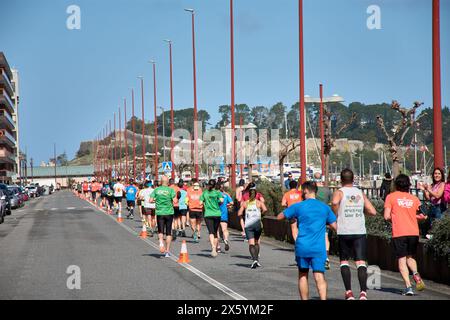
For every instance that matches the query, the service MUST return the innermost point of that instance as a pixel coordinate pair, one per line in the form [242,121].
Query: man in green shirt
[163,197]
[211,200]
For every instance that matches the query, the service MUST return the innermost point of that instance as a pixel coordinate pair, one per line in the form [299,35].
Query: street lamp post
[437,108]
[125,137]
[302,95]
[156,120]
[133,126]
[233,125]
[171,112]
[144,164]
[164,133]
[195,93]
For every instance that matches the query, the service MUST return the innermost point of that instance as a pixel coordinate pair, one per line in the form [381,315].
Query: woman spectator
[435,193]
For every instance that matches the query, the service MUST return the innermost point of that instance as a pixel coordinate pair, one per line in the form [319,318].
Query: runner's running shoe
[162,249]
[408,292]
[213,253]
[254,264]
[420,285]
[327,264]
[363,295]
[167,255]
[258,264]
[195,236]
[349,295]
[227,245]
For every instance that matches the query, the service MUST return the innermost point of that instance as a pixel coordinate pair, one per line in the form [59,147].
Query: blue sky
[73,80]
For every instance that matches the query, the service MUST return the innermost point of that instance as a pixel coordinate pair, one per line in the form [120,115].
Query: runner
[103,192]
[95,187]
[350,204]
[119,190]
[312,216]
[211,198]
[131,192]
[224,206]
[239,190]
[253,208]
[245,197]
[182,208]
[176,207]
[289,198]
[324,196]
[164,198]
[148,208]
[85,187]
[110,197]
[79,189]
[402,209]
[195,209]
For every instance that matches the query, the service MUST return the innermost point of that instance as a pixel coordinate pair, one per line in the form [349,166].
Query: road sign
[167,166]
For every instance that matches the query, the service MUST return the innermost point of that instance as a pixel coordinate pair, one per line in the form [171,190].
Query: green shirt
[211,200]
[164,200]
[324,195]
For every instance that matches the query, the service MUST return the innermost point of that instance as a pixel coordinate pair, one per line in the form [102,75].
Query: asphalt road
[40,241]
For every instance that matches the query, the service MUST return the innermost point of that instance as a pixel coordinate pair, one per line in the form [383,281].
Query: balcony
[6,101]
[6,137]
[6,174]
[6,82]
[6,120]
[6,156]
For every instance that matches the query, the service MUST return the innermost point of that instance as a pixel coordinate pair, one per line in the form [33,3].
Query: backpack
[446,196]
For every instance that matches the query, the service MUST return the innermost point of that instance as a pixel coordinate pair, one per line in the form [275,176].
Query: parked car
[17,200]
[2,206]
[33,191]
[8,196]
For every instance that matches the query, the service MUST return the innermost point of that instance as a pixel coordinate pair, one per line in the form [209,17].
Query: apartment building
[9,100]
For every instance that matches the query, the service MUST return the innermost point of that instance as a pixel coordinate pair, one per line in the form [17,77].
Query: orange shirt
[404,207]
[85,187]
[96,187]
[291,197]
[193,197]
[176,189]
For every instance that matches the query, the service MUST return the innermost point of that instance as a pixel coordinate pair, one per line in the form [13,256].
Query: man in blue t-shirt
[131,192]
[310,253]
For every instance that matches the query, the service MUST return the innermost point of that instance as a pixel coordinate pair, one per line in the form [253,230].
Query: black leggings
[212,223]
[165,224]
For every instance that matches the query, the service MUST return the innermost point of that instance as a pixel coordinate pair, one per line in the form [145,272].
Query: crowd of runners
[168,210]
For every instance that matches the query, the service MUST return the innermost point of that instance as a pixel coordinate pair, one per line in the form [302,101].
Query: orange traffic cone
[119,218]
[143,233]
[184,256]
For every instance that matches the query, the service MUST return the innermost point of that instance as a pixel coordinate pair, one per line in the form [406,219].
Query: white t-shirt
[145,195]
[351,220]
[252,214]
[118,190]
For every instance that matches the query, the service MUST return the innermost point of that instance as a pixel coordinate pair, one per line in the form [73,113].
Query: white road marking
[200,274]
[70,208]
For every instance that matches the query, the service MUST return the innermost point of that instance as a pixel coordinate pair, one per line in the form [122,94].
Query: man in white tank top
[349,204]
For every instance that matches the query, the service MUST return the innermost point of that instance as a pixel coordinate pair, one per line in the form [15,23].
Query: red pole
[155,122]
[302,94]
[233,140]
[437,108]
[171,114]
[115,147]
[120,144]
[133,125]
[126,140]
[144,164]
[111,162]
[195,96]
[242,148]
[322,134]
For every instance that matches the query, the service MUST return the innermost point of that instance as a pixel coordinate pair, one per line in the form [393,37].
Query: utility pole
[54,155]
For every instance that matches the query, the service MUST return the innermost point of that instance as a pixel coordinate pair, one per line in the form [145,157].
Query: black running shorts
[212,223]
[165,224]
[353,246]
[405,246]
